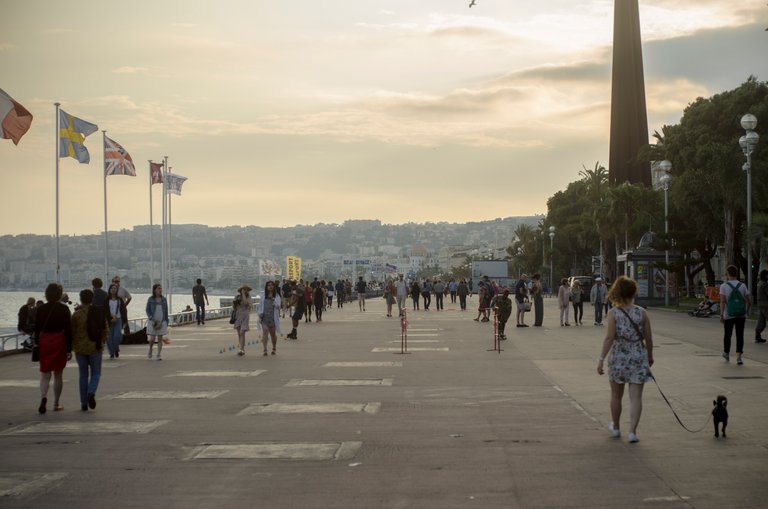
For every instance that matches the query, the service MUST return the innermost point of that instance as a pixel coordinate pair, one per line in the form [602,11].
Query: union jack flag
[116,160]
[156,172]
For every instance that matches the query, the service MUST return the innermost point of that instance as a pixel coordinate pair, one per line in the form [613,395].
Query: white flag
[173,183]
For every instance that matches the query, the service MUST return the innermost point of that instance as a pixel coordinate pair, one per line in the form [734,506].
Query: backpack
[735,303]
[95,323]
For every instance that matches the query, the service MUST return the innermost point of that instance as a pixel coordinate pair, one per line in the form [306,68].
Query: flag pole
[170,264]
[56,127]
[163,229]
[106,239]
[151,247]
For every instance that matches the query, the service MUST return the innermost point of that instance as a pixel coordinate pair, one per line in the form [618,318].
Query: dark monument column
[629,119]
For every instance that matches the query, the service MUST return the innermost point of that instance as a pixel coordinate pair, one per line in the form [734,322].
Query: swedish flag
[72,133]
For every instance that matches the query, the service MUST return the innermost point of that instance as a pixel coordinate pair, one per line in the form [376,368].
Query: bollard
[403,333]
[496,339]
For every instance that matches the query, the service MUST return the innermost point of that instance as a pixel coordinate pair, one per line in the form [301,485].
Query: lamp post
[748,143]
[551,260]
[666,167]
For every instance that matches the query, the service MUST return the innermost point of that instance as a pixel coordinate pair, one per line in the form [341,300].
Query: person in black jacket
[27,317]
[53,330]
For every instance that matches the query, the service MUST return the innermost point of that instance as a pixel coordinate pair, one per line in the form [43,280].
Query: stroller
[705,309]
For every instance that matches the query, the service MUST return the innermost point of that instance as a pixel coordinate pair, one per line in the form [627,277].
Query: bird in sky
[471,3]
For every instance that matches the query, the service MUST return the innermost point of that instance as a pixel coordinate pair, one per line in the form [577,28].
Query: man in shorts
[361,287]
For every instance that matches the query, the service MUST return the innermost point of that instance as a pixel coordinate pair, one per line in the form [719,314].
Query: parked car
[586,283]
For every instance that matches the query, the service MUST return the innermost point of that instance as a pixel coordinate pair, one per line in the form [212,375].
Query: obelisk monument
[629,119]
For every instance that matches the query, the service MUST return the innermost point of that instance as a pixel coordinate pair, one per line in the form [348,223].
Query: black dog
[720,414]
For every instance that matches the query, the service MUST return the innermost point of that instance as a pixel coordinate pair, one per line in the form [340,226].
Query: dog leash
[673,410]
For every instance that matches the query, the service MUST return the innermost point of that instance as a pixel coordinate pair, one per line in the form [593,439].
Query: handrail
[17,338]
[182,318]
[14,342]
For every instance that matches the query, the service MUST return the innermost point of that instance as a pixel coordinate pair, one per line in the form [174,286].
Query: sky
[302,112]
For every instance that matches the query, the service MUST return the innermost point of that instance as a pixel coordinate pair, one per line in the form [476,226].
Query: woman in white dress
[243,307]
[269,315]
[157,320]
[628,350]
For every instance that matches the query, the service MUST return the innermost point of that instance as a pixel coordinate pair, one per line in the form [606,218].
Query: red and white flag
[117,161]
[14,117]
[155,173]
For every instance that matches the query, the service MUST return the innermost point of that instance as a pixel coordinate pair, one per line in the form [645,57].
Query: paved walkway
[336,419]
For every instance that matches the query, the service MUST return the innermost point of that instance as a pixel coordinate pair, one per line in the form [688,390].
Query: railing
[12,343]
[182,318]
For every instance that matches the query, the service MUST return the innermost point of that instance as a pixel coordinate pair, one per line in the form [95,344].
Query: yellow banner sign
[293,267]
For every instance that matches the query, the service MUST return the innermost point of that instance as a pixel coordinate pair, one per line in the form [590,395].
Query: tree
[705,144]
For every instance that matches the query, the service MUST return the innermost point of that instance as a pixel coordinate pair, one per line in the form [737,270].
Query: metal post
[551,264]
[106,229]
[749,221]
[57,128]
[666,251]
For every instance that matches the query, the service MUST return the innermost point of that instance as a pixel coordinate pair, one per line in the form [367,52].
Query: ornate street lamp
[748,143]
[551,259]
[666,167]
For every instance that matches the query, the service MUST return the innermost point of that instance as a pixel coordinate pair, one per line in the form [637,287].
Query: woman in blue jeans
[88,335]
[115,310]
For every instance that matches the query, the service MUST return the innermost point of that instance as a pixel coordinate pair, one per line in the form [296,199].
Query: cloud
[127,69]
[185,25]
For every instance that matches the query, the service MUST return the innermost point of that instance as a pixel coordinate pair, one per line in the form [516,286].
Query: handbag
[36,341]
[526,305]
[233,318]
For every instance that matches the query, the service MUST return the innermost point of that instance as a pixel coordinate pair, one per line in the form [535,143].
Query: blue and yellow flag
[72,133]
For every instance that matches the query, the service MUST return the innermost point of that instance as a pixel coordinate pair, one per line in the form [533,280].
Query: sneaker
[91,401]
[760,340]
[739,361]
[159,358]
[727,356]
[632,438]
[615,432]
[149,354]
[241,353]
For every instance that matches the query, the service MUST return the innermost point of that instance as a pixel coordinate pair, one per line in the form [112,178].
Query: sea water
[11,302]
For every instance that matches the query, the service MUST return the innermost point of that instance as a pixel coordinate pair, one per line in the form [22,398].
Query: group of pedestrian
[572,295]
[99,319]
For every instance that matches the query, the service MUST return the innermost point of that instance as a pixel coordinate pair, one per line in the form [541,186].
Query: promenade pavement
[337,419]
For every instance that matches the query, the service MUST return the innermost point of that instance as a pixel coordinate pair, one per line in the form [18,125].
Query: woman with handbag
[243,307]
[628,346]
[269,315]
[577,299]
[53,330]
[116,309]
[157,320]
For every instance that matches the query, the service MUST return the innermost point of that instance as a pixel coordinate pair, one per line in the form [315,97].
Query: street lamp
[748,143]
[666,167]
[551,259]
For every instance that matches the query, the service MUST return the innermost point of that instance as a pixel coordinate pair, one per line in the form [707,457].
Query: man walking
[200,298]
[361,287]
[439,289]
[735,304]
[402,293]
[598,296]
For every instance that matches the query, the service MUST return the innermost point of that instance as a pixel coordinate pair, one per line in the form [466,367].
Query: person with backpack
[734,307]
[89,333]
